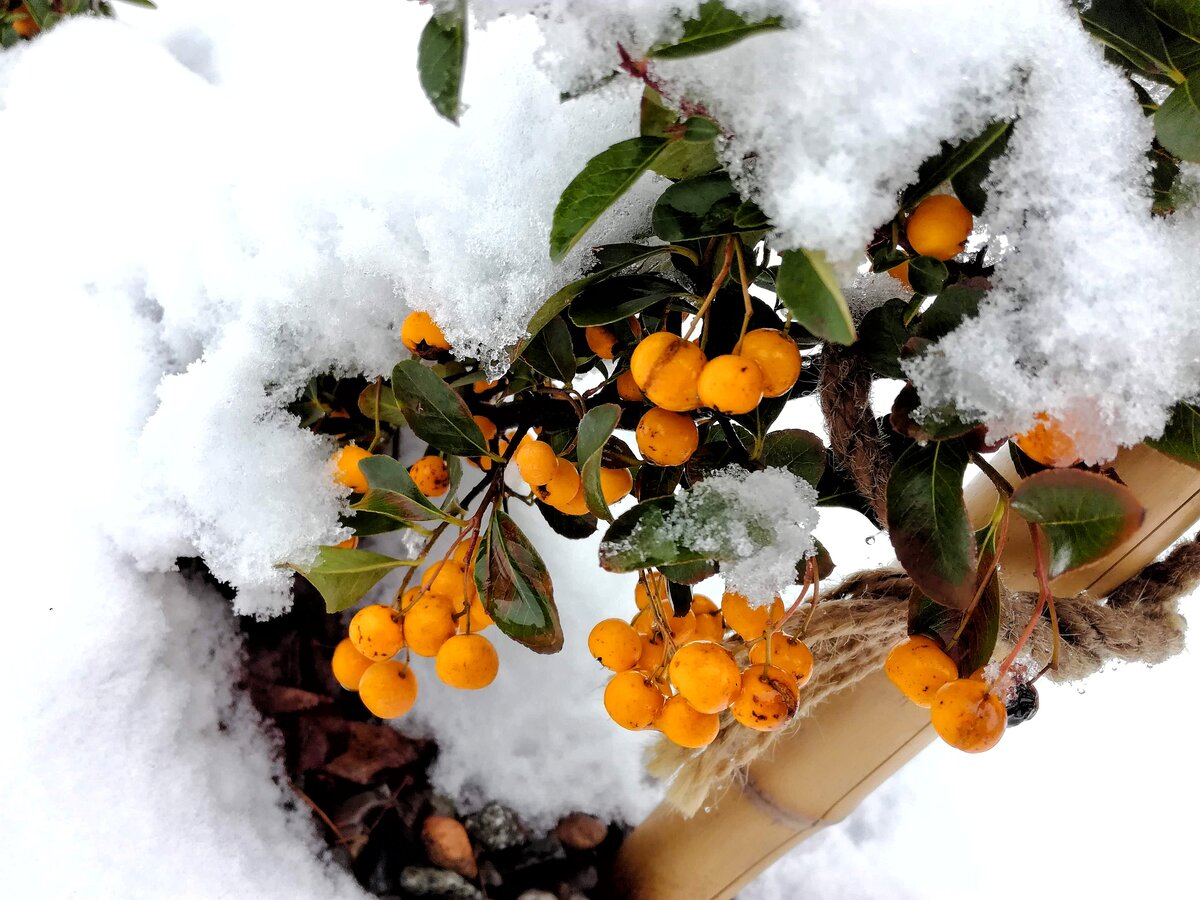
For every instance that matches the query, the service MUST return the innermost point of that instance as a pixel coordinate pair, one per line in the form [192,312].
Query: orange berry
[749,621]
[350,543]
[468,662]
[431,475]
[562,486]
[25,26]
[767,700]
[576,506]
[615,484]
[788,653]
[967,715]
[706,674]
[627,388]
[482,387]
[1047,443]
[900,273]
[462,549]
[615,644]
[422,336]
[536,461]
[447,578]
[486,425]
[709,624]
[919,667]
[731,384]
[388,689]
[478,615]
[377,632]
[600,340]
[346,470]
[682,724]
[680,627]
[349,665]
[777,356]
[429,624]
[654,651]
[667,368]
[939,227]
[667,438]
[658,585]
[633,700]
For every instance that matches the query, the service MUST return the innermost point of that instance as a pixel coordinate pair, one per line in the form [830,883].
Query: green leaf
[1127,27]
[1177,122]
[434,412]
[573,528]
[441,56]
[953,306]
[881,337]
[380,395]
[702,207]
[1183,52]
[939,424]
[714,27]
[680,159]
[621,296]
[392,493]
[689,573]
[1085,515]
[800,452]
[637,540]
[952,159]
[551,352]
[343,576]
[967,182]
[603,180]
[927,521]
[974,648]
[1181,15]
[809,290]
[700,129]
[515,587]
[595,428]
[927,275]
[1181,438]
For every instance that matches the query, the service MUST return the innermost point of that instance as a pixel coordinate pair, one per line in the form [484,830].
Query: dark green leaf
[809,290]
[700,129]
[881,337]
[953,306]
[836,488]
[573,528]
[551,352]
[603,180]
[656,481]
[515,587]
[681,597]
[1181,439]
[702,207]
[637,540]
[939,424]
[927,521]
[1183,52]
[714,27]
[1085,515]
[392,493]
[343,576]
[689,573]
[967,182]
[952,159]
[1127,27]
[365,523]
[974,648]
[1177,122]
[800,452]
[621,296]
[1181,15]
[380,395]
[595,428]
[434,412]
[927,275]
[681,159]
[441,56]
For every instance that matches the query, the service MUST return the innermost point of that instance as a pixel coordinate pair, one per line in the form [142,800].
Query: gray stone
[496,827]
[423,881]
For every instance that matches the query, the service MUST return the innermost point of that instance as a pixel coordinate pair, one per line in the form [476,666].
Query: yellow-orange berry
[683,724]
[615,645]
[939,227]
[486,425]
[788,653]
[388,689]
[422,335]
[667,369]
[377,632]
[1048,443]
[462,549]
[967,715]
[350,543]
[346,469]
[777,356]
[482,387]
[633,700]
[919,667]
[562,486]
[468,662]
[749,621]
[657,583]
[536,461]
[767,699]
[627,388]
[431,475]
[429,624]
[600,340]
[900,273]
[25,26]
[576,506]
[666,438]
[349,665]
[615,484]
[448,578]
[478,615]
[654,651]
[680,627]
[709,624]
[731,384]
[706,674]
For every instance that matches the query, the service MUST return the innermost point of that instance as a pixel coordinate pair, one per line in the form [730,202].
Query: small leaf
[681,597]
[343,576]
[927,275]
[656,481]
[882,336]
[680,159]
[809,290]
[975,646]
[441,56]
[515,587]
[637,540]
[621,296]
[551,352]
[938,424]
[968,181]
[689,573]
[1085,515]
[700,129]
[380,395]
[952,159]
[953,306]
[704,206]
[1127,27]
[800,452]
[1181,438]
[574,528]
[392,493]
[603,180]
[836,488]
[595,428]
[714,27]
[927,521]
[1177,122]
[434,412]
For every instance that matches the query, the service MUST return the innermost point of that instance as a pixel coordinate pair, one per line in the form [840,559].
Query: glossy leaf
[343,576]
[1181,438]
[702,207]
[441,56]
[952,159]
[1177,122]
[882,336]
[1084,515]
[800,452]
[551,352]
[381,396]
[953,306]
[621,296]
[927,275]
[637,540]
[968,181]
[515,587]
[715,26]
[1129,28]
[595,428]
[1181,15]
[809,290]
[573,528]
[690,573]
[974,648]
[392,493]
[681,159]
[434,412]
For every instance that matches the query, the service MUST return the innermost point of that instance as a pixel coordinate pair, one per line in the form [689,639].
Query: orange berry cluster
[676,674]
[967,713]
[557,483]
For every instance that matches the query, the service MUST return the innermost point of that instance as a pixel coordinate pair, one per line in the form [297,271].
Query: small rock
[536,853]
[580,831]
[586,879]
[497,827]
[490,875]
[441,805]
[423,881]
[537,895]
[448,846]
